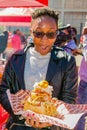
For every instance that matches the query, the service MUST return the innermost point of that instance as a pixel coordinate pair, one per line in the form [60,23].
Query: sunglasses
[49,35]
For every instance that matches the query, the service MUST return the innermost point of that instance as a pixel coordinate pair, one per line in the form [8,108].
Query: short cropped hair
[45,12]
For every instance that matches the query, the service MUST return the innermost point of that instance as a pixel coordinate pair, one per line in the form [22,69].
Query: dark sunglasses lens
[51,35]
[38,34]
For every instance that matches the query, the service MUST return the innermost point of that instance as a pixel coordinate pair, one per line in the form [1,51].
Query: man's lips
[43,48]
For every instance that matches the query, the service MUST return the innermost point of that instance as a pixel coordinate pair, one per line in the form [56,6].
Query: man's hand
[77,52]
[36,123]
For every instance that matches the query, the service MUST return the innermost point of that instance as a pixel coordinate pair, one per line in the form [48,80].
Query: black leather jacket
[61,74]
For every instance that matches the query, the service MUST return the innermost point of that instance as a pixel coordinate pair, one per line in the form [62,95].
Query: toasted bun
[46,108]
[35,108]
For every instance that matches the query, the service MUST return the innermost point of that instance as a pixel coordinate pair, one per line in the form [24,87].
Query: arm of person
[70,81]
[77,51]
[80,50]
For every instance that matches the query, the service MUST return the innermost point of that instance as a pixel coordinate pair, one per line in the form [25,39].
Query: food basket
[71,113]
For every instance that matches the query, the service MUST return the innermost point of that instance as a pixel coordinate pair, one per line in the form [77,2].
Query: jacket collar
[21,52]
[56,54]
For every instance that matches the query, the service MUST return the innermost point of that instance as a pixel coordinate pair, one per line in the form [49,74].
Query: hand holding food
[31,121]
[39,106]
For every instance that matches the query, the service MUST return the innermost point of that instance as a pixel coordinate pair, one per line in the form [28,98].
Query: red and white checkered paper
[71,113]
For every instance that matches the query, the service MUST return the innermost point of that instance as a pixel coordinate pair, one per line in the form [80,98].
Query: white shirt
[35,67]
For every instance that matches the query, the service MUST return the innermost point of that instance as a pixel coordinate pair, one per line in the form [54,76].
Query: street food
[40,99]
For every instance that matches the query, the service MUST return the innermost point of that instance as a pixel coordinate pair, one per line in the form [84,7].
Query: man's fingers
[44,124]
[37,123]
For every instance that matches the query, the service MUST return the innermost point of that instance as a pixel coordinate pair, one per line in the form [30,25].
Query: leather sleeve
[70,81]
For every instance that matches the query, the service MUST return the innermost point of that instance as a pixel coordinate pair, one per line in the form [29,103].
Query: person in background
[61,39]
[16,40]
[23,39]
[40,61]
[82,88]
[70,43]
[74,34]
[66,38]
[3,41]
[3,44]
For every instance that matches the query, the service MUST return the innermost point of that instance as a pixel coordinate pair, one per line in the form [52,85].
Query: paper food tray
[70,112]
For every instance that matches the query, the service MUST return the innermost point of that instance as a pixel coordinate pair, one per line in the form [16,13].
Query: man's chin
[44,52]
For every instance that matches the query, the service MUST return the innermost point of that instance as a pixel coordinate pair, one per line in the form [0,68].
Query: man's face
[18,32]
[43,31]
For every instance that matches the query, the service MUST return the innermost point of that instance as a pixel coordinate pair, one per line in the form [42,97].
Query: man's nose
[44,37]
[44,40]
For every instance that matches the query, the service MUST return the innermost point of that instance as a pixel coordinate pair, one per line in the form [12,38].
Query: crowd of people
[51,57]
[11,42]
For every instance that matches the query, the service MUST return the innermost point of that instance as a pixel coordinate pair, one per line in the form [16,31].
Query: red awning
[15,18]
[45,2]
[21,3]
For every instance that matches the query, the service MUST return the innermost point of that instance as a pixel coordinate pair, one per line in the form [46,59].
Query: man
[40,61]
